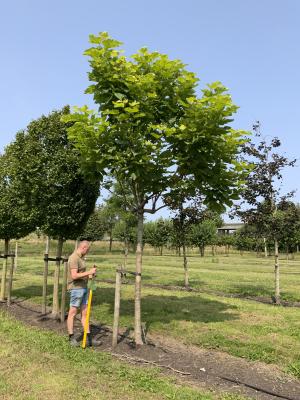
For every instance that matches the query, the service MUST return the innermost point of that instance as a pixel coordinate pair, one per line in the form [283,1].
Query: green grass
[35,362]
[239,327]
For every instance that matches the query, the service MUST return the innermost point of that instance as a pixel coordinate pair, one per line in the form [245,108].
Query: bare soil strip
[208,369]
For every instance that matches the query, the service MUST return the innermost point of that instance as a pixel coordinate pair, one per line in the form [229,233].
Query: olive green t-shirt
[76,261]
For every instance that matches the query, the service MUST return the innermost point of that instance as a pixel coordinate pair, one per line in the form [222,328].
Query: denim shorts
[78,297]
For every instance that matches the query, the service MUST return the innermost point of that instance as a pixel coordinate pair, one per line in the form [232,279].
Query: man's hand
[92,272]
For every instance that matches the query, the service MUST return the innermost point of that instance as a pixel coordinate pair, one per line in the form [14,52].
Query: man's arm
[77,275]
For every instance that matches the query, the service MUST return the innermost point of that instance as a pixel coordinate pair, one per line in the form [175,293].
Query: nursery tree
[60,197]
[16,219]
[157,233]
[203,234]
[151,126]
[262,194]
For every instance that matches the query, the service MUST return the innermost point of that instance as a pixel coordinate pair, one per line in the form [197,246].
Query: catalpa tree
[150,127]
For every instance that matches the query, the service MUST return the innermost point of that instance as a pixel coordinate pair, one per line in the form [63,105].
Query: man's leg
[75,298]
[70,321]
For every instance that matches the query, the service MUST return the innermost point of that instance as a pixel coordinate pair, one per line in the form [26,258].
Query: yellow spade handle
[87,320]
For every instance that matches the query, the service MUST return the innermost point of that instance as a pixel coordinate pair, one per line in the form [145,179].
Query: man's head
[84,247]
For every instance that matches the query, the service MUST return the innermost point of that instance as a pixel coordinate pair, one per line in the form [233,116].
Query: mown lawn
[240,327]
[36,364]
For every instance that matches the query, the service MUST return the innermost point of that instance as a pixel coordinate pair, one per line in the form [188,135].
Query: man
[77,286]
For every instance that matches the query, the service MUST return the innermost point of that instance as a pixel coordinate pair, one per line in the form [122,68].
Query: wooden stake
[44,304]
[4,272]
[63,292]
[116,310]
[55,302]
[16,256]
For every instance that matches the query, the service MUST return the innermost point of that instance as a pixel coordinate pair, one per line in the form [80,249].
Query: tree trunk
[4,271]
[277,276]
[185,264]
[116,310]
[125,253]
[55,303]
[44,303]
[227,249]
[110,240]
[76,244]
[265,246]
[161,250]
[213,250]
[138,281]
[202,249]
[10,280]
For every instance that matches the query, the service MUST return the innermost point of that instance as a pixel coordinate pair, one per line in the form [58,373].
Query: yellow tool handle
[87,320]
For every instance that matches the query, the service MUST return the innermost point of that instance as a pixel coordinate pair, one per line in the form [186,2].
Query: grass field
[36,363]
[239,327]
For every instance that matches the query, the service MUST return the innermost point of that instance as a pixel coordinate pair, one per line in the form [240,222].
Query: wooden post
[44,304]
[117,309]
[16,256]
[63,291]
[55,302]
[4,271]
[277,279]
[10,280]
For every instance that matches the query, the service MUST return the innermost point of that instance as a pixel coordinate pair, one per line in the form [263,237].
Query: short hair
[84,242]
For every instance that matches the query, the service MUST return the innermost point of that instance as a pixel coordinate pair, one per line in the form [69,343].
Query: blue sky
[252,47]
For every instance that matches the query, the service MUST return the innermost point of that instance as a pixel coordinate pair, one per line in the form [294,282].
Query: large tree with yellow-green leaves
[151,127]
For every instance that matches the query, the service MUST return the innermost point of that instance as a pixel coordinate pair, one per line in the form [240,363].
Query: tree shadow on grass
[158,308]
[165,309]
[28,292]
[245,290]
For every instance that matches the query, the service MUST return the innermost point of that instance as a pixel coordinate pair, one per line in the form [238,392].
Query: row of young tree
[42,185]
[152,140]
[108,222]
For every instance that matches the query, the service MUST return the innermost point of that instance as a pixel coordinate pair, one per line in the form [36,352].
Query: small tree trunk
[161,250]
[265,246]
[202,249]
[185,265]
[297,248]
[110,240]
[138,281]
[116,310]
[4,271]
[44,303]
[213,250]
[227,249]
[125,253]
[10,281]
[76,244]
[277,276]
[55,304]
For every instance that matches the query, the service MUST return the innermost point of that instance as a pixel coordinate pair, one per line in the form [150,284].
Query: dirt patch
[207,369]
